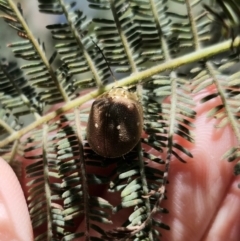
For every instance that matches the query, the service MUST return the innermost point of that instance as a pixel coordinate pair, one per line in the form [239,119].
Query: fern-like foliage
[61,169]
[41,73]
[75,47]
[113,33]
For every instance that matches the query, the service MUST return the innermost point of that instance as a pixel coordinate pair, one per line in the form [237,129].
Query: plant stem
[130,80]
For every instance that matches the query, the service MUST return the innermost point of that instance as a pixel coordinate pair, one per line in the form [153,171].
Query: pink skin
[15,223]
[203,198]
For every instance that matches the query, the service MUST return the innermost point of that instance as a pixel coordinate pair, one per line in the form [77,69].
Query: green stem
[132,79]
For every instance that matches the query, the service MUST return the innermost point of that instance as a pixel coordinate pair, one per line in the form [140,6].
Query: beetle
[115,123]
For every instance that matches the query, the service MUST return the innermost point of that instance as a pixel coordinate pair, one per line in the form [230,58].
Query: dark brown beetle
[115,123]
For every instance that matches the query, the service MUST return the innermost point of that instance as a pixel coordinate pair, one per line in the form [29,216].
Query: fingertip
[15,223]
